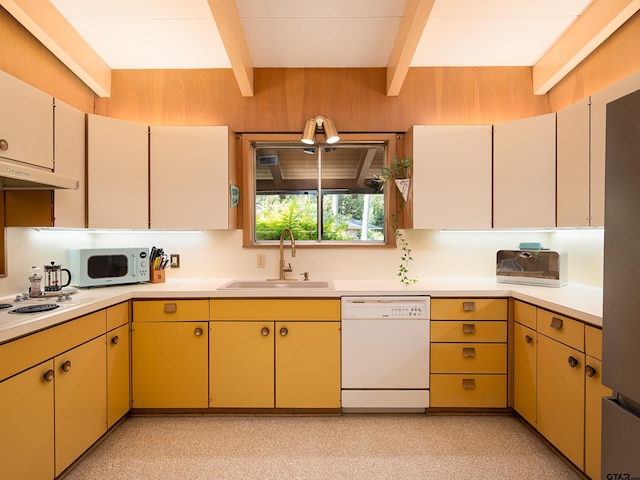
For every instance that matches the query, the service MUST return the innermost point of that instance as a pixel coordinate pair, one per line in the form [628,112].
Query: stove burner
[5,305]
[43,307]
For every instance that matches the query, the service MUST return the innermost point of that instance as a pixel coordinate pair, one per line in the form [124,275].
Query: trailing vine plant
[395,171]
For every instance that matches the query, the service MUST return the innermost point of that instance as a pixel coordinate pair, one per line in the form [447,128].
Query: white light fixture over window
[319,124]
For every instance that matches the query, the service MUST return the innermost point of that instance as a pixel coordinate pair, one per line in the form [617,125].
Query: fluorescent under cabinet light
[113,231]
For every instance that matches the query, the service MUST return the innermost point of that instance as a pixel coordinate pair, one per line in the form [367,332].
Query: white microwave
[99,267]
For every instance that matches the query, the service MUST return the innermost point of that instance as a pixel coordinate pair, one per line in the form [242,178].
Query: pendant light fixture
[319,124]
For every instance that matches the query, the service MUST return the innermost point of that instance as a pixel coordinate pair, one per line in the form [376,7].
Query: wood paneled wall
[24,57]
[355,98]
[285,98]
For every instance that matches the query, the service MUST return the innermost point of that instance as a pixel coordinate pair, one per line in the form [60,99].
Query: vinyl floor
[351,446]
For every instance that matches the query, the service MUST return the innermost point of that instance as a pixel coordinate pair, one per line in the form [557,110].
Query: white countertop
[578,301]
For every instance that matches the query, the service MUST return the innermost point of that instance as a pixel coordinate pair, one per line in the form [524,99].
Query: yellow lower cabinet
[307,364]
[170,364]
[469,358]
[241,368]
[524,372]
[466,390]
[561,406]
[26,423]
[80,400]
[594,391]
[118,374]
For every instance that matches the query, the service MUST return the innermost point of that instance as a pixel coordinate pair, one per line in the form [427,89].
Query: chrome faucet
[284,269]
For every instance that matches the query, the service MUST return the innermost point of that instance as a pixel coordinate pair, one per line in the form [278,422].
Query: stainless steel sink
[277,284]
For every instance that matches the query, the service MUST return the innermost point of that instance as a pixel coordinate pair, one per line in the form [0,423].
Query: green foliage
[274,213]
[396,170]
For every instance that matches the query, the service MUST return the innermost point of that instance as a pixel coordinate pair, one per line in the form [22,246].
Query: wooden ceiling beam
[414,20]
[48,25]
[601,19]
[225,13]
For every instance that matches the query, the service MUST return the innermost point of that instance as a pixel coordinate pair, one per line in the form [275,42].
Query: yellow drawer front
[468,357]
[525,314]
[593,341]
[117,315]
[563,329]
[27,351]
[275,309]
[468,309]
[469,331]
[170,310]
[488,391]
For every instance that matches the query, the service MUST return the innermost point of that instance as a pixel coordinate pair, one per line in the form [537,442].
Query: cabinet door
[560,412]
[80,400]
[27,114]
[195,195]
[524,173]
[117,173]
[69,205]
[573,182]
[170,364]
[594,391]
[599,102]
[118,374]
[307,364]
[26,416]
[452,176]
[242,373]
[524,372]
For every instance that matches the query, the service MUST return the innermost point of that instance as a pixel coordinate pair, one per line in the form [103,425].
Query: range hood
[14,176]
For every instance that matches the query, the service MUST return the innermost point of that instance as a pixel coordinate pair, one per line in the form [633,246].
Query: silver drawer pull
[556,323]
[469,306]
[469,383]
[468,328]
[469,352]
[170,308]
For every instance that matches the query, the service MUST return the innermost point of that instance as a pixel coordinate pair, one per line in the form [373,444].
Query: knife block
[157,276]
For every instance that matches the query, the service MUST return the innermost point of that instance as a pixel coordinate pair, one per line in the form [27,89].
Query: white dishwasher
[385,353]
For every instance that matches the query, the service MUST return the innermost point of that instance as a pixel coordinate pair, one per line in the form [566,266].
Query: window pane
[288,185]
[286,192]
[351,208]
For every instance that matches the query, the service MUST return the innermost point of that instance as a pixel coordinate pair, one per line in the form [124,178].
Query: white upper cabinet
[191,169]
[26,123]
[452,176]
[117,173]
[599,102]
[573,164]
[69,157]
[524,173]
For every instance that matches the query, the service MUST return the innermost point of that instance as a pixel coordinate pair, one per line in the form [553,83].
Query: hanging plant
[397,171]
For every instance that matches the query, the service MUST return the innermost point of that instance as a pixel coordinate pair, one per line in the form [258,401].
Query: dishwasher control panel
[381,307]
